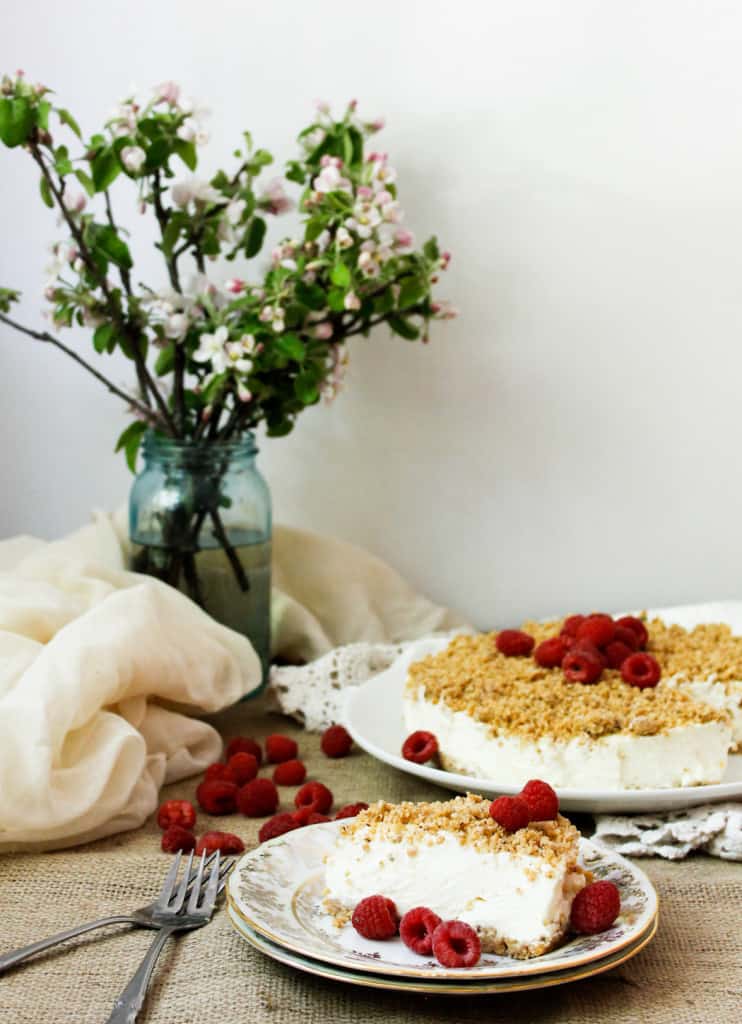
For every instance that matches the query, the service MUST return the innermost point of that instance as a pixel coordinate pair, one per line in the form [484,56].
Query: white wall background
[573,440]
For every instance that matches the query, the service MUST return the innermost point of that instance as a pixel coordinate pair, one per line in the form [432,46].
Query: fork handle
[129,1003]
[15,956]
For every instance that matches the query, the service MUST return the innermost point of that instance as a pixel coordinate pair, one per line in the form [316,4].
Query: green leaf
[42,114]
[357,140]
[314,229]
[187,153]
[106,168]
[336,300]
[104,339]
[157,154]
[254,237]
[311,295]
[151,127]
[16,121]
[165,360]
[106,240]
[46,194]
[7,297]
[66,118]
[412,290]
[261,157]
[430,249]
[295,172]
[171,234]
[290,345]
[340,275]
[130,440]
[403,328]
[86,181]
[279,427]
[305,388]
[385,302]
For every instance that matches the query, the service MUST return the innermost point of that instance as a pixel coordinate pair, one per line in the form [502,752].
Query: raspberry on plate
[598,629]
[641,670]
[280,748]
[258,798]
[225,842]
[514,643]
[278,825]
[243,767]
[246,745]
[416,930]
[351,810]
[289,773]
[511,812]
[375,917]
[456,944]
[336,741]
[571,624]
[550,653]
[542,801]
[582,665]
[636,626]
[176,812]
[595,908]
[217,796]
[175,838]
[420,747]
[315,796]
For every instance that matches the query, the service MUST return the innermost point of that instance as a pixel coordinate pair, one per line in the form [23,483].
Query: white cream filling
[689,755]
[725,696]
[515,895]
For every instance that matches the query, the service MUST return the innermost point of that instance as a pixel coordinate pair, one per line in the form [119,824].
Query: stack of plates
[275,903]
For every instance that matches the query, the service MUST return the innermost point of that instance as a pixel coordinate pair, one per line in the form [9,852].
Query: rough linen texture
[690,974]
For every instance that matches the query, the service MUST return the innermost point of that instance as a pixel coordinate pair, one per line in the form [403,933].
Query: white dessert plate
[278,888]
[373,716]
[446,988]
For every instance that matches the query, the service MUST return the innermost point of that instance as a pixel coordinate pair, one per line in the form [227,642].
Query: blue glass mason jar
[200,520]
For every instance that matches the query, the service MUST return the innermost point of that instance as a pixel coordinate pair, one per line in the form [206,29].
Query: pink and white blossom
[176,326]
[331,180]
[167,92]
[211,349]
[74,202]
[197,191]
[235,285]
[323,331]
[274,197]
[133,157]
[444,310]
[404,239]
[243,393]
[343,238]
[351,301]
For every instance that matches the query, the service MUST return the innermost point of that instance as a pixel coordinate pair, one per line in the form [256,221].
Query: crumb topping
[519,697]
[468,819]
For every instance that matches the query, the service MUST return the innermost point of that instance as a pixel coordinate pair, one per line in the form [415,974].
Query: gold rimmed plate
[277,891]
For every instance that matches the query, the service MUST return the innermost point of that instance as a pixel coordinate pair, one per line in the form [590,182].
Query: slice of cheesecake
[498,717]
[514,888]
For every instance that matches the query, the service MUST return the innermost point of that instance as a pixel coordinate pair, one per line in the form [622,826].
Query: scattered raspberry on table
[290,773]
[220,772]
[243,767]
[351,810]
[217,796]
[278,825]
[176,839]
[176,812]
[313,797]
[280,748]
[258,798]
[336,741]
[246,745]
[225,842]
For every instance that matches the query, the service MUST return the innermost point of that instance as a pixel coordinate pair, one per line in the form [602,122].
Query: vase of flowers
[214,357]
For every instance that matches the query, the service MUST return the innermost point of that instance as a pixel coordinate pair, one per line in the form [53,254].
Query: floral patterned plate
[465,987]
[277,890]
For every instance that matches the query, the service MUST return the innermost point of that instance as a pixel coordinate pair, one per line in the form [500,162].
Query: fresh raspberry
[595,908]
[278,825]
[598,629]
[218,771]
[244,745]
[375,917]
[582,665]
[225,842]
[280,748]
[315,796]
[641,670]
[216,796]
[456,944]
[542,801]
[511,812]
[636,626]
[571,624]
[420,747]
[243,766]
[416,930]
[617,652]
[336,741]
[514,644]
[258,798]
[290,773]
[627,636]
[176,812]
[351,810]
[313,818]
[176,838]
[549,653]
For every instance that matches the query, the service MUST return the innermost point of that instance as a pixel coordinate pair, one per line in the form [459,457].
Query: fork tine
[169,884]
[180,896]
[209,900]
[196,890]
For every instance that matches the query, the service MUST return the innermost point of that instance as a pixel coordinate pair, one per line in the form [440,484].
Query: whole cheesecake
[499,717]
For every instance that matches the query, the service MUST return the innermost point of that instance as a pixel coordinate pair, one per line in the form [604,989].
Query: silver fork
[173,915]
[143,917]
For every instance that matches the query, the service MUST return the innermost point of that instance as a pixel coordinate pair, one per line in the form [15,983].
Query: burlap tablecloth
[691,972]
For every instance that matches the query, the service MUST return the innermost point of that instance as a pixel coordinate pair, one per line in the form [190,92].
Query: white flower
[368,265]
[237,358]
[343,238]
[74,202]
[331,180]
[323,240]
[289,264]
[176,326]
[275,198]
[365,218]
[133,157]
[312,139]
[234,211]
[167,92]
[195,190]
[351,301]
[242,393]
[211,349]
